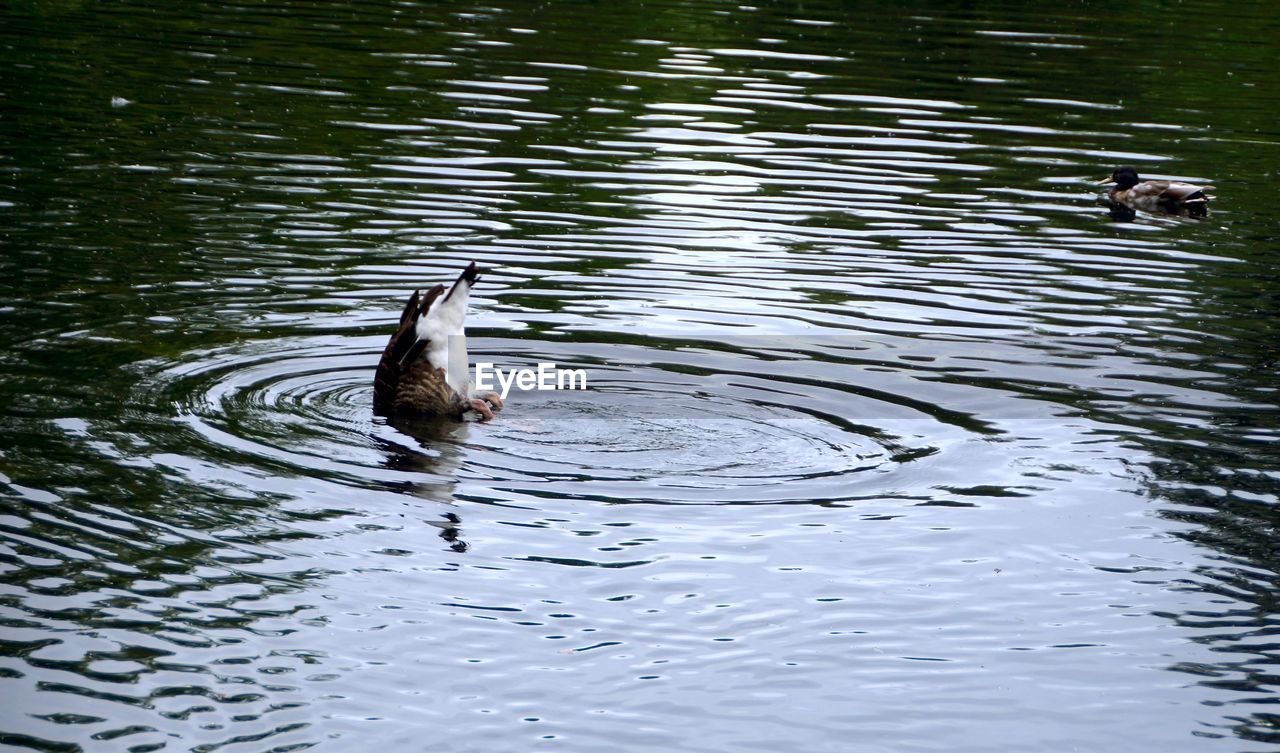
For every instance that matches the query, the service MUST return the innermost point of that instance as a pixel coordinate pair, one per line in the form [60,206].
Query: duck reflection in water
[436,460]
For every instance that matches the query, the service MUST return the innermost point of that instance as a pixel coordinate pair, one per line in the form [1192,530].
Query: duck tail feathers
[465,280]
[448,312]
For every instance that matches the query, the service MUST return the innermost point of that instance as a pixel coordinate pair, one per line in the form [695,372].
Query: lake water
[895,439]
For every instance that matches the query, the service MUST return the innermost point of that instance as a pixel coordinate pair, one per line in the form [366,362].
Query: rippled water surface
[895,438]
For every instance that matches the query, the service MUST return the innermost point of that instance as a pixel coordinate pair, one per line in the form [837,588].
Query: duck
[1170,196]
[414,377]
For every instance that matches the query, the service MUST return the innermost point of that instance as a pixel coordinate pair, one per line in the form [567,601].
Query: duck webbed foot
[482,407]
[492,398]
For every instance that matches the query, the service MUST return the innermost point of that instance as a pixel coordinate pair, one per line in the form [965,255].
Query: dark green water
[895,439]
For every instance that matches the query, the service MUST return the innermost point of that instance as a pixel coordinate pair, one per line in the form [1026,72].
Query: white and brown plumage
[1171,196]
[414,375]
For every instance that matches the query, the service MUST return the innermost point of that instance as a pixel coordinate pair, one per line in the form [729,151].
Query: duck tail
[465,280]
[448,313]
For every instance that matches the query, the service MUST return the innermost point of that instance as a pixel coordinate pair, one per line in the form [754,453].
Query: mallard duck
[1170,196]
[414,375]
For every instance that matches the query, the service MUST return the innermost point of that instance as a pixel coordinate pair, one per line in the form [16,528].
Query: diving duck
[414,375]
[1172,196]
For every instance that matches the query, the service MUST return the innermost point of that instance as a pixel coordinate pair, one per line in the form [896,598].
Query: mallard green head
[1123,178]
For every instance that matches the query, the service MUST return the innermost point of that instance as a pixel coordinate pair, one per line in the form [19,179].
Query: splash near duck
[414,376]
[1167,196]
